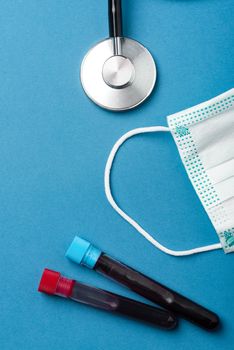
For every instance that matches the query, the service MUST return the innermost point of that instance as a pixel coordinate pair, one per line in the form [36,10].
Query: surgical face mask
[204,136]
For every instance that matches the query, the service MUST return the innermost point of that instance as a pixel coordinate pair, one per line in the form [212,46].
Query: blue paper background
[53,147]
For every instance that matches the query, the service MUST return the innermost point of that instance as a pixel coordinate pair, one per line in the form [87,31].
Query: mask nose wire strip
[126,217]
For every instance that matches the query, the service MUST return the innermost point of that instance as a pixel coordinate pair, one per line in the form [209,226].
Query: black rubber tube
[115,18]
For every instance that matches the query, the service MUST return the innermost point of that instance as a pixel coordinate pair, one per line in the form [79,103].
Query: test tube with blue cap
[83,252]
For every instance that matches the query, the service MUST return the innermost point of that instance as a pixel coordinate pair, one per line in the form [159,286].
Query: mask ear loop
[126,217]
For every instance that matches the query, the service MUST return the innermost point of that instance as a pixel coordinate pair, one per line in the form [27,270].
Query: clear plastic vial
[54,283]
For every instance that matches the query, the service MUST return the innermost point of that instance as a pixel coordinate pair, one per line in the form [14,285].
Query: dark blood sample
[82,252]
[53,283]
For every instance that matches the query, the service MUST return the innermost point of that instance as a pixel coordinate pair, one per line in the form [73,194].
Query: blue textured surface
[53,147]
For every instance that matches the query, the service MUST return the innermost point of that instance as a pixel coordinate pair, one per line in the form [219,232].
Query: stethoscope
[118,73]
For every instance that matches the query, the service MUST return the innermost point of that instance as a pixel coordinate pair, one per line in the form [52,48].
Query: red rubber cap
[49,281]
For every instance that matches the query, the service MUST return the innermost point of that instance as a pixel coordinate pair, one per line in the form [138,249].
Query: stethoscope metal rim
[129,96]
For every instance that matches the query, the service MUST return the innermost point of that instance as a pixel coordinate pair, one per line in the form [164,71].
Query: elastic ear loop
[127,217]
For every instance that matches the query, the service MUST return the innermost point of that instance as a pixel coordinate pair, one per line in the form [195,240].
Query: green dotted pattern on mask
[180,123]
[229,237]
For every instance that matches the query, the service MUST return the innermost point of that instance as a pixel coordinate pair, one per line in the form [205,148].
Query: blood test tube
[84,253]
[54,283]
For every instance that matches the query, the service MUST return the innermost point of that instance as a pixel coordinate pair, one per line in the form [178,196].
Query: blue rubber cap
[83,252]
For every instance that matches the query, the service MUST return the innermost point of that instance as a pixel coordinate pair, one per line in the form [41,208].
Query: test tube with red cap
[54,283]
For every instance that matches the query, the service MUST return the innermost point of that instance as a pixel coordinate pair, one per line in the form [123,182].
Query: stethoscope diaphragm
[118,73]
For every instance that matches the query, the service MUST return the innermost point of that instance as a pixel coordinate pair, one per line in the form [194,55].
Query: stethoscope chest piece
[118,73]
[118,82]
